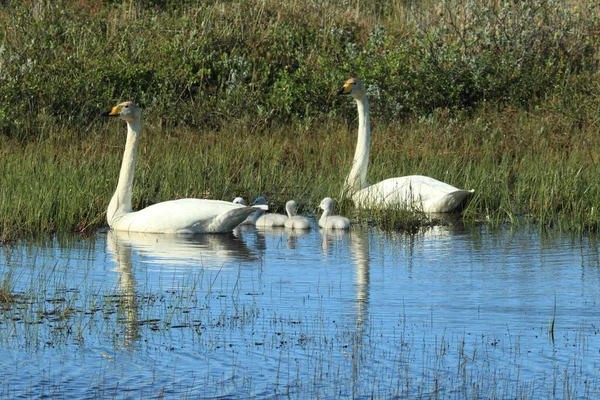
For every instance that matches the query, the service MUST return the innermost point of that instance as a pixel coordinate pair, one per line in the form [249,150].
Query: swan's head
[239,200]
[354,88]
[259,201]
[326,204]
[290,207]
[127,111]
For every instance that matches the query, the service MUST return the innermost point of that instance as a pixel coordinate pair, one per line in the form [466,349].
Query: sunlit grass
[520,165]
[239,101]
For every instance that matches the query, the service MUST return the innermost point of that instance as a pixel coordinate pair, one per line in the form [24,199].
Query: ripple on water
[328,314]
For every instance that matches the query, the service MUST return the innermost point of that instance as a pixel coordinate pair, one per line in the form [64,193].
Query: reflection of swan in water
[359,245]
[206,250]
[121,252]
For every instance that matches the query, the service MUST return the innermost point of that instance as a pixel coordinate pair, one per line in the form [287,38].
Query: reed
[238,100]
[518,171]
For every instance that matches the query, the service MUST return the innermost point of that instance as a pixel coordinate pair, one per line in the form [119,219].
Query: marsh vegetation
[501,97]
[239,100]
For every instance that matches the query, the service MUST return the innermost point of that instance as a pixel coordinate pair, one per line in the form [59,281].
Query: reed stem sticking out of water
[552,321]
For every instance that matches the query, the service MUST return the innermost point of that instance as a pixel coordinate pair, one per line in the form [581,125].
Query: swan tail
[450,202]
[227,221]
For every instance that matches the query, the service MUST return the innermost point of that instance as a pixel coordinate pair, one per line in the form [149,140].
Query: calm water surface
[452,312]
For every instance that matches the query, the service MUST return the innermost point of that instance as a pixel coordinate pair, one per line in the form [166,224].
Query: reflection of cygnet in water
[295,221]
[328,221]
[293,235]
[267,220]
[332,237]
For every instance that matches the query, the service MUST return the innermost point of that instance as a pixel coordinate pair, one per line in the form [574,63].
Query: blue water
[452,312]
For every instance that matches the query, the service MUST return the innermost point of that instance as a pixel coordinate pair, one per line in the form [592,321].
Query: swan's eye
[126,105]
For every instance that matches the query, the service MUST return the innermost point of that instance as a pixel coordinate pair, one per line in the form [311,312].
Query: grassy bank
[238,100]
[525,165]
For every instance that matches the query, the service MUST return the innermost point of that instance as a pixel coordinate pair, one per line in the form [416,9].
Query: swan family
[274,220]
[292,220]
[214,216]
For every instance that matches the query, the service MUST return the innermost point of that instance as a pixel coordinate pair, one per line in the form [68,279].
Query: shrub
[201,65]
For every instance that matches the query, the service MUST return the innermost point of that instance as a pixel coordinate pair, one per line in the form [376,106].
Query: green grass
[238,100]
[530,168]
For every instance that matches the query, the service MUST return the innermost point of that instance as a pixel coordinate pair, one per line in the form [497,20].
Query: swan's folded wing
[227,221]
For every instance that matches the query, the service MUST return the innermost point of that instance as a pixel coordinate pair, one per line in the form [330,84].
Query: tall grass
[238,99]
[518,169]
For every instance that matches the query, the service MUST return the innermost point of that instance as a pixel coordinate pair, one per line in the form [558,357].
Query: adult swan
[414,192]
[175,216]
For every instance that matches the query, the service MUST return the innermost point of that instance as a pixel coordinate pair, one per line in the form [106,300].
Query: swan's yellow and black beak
[347,88]
[114,112]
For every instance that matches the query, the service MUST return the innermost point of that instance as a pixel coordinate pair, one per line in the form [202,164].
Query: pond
[451,312]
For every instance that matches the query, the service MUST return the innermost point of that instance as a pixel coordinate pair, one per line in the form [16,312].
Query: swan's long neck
[121,201]
[326,213]
[256,215]
[291,210]
[357,178]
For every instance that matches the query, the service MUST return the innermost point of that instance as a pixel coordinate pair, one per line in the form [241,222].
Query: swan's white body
[415,192]
[328,221]
[295,221]
[175,216]
[270,220]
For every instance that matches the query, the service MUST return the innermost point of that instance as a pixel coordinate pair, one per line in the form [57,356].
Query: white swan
[328,221]
[239,200]
[175,216]
[411,192]
[295,221]
[269,220]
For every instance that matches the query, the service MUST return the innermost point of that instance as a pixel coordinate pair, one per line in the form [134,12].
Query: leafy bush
[201,65]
